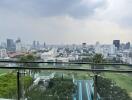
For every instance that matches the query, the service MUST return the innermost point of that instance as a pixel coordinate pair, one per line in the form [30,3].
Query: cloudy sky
[66,21]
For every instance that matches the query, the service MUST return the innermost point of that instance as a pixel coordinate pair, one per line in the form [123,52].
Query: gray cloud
[118,11]
[47,8]
[126,15]
[57,21]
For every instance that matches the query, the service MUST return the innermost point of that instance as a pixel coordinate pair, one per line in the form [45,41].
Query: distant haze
[66,21]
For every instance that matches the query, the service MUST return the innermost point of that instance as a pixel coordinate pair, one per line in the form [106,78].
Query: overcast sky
[66,21]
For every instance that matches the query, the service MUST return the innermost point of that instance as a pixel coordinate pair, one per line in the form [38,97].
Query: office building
[127,46]
[11,45]
[117,44]
[18,45]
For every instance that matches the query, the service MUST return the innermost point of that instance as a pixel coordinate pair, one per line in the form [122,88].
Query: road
[84,90]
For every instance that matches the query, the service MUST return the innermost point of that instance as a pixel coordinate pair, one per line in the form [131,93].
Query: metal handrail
[15,61]
[66,69]
[62,69]
[69,69]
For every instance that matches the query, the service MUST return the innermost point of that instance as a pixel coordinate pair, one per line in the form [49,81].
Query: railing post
[95,87]
[18,86]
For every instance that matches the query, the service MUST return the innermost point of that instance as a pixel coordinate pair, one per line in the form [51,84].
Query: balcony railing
[65,81]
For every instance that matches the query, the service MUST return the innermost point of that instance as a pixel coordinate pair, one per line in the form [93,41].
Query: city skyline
[65,49]
[66,21]
[50,43]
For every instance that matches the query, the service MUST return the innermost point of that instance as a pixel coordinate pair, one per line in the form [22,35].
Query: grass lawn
[8,85]
[2,71]
[122,80]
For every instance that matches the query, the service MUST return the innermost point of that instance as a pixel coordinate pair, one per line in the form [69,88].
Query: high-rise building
[34,44]
[84,45]
[37,45]
[11,45]
[3,45]
[3,53]
[117,44]
[44,45]
[18,45]
[127,46]
[112,49]
[98,48]
[122,46]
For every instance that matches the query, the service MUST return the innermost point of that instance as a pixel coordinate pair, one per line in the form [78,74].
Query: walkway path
[84,90]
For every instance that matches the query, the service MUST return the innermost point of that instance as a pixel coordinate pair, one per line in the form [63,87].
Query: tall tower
[84,45]
[18,45]
[11,45]
[117,44]
[34,44]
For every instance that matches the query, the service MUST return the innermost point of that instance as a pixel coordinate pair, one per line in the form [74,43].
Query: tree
[28,58]
[97,58]
[56,88]
[108,90]
[8,85]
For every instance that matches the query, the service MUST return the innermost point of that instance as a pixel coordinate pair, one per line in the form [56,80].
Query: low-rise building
[3,54]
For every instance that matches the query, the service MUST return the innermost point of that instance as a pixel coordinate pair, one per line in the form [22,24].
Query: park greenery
[108,90]
[110,85]
[57,88]
[122,80]
[8,85]
[113,85]
[8,79]
[29,58]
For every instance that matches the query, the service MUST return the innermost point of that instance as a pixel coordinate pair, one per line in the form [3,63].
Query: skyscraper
[44,45]
[116,43]
[11,45]
[84,45]
[37,45]
[18,45]
[97,47]
[127,46]
[34,44]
